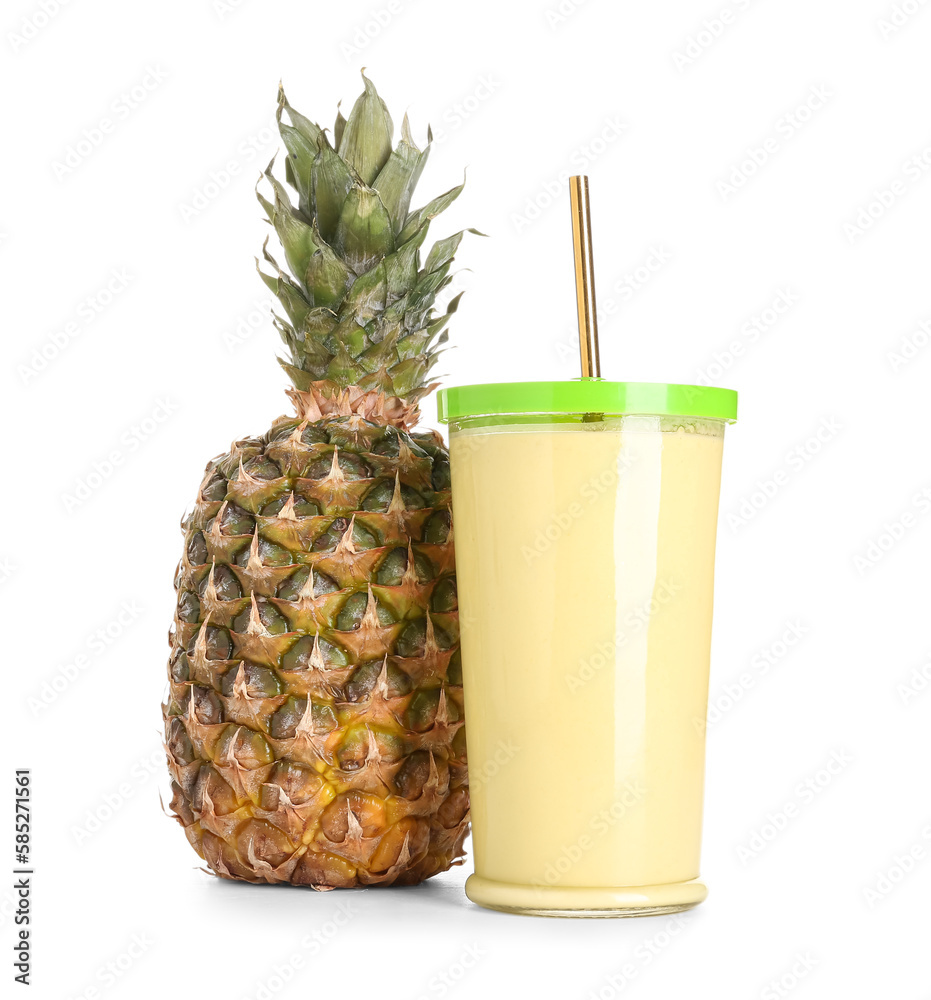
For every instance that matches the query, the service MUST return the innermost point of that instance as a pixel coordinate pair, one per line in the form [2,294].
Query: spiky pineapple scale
[314,722]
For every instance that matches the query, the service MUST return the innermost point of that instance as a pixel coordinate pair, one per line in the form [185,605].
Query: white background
[176,359]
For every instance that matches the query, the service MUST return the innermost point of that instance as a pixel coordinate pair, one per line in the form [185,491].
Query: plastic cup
[585,516]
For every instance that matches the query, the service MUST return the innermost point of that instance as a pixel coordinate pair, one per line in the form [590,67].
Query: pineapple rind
[314,722]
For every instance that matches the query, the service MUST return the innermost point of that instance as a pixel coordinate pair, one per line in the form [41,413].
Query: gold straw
[584,276]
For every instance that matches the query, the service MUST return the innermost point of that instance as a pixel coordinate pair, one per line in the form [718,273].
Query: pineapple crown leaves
[357,299]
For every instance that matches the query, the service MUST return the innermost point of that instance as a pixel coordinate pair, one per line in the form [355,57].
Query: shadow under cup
[585,516]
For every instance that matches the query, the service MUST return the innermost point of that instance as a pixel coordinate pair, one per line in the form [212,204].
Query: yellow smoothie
[585,564]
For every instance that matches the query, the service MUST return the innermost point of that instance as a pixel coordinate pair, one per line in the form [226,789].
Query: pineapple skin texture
[313,725]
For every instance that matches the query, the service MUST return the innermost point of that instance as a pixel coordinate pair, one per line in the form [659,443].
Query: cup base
[571,901]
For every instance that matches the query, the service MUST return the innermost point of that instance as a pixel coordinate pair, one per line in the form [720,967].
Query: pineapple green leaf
[395,312]
[435,332]
[433,208]
[365,143]
[338,127]
[296,235]
[342,369]
[406,132]
[332,181]
[289,173]
[296,238]
[381,355]
[363,233]
[368,296]
[278,189]
[302,380]
[443,251]
[288,293]
[437,326]
[306,353]
[300,162]
[378,381]
[410,375]
[429,283]
[269,280]
[379,329]
[318,324]
[413,345]
[305,126]
[286,332]
[267,206]
[397,178]
[453,305]
[351,335]
[326,276]
[401,266]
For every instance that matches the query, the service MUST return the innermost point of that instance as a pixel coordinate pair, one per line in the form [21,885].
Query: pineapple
[314,724]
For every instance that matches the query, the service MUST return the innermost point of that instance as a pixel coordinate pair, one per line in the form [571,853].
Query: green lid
[587,395]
